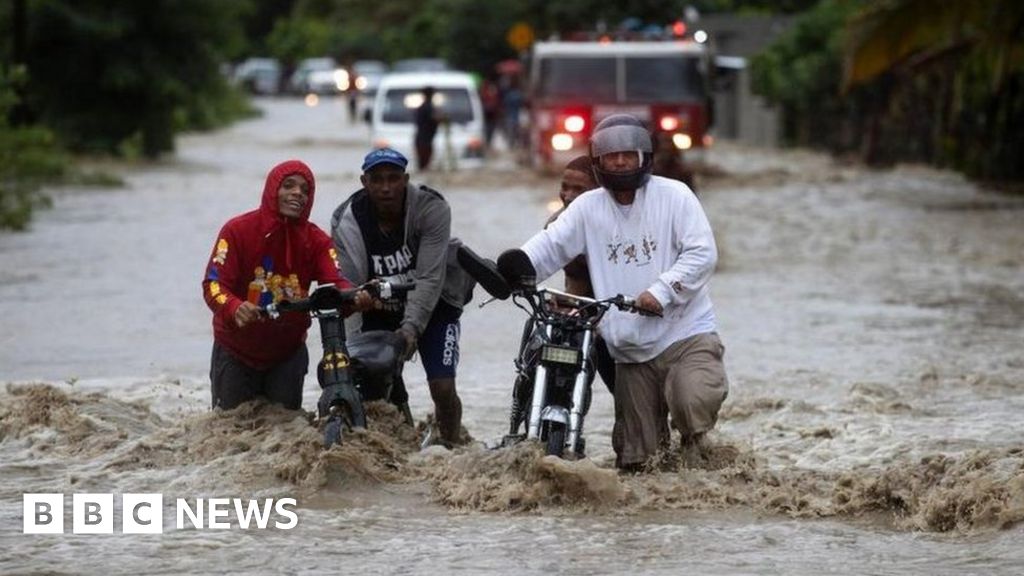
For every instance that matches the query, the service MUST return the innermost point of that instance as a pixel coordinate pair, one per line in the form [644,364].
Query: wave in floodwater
[260,448]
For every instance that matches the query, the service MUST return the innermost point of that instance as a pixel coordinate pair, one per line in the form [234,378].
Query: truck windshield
[582,80]
[593,80]
[660,79]
[400,105]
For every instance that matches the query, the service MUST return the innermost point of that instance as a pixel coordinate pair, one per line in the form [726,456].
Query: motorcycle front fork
[579,391]
[335,371]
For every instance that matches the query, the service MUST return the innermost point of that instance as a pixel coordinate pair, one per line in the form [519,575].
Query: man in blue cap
[395,230]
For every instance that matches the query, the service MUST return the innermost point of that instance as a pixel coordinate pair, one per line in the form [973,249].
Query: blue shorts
[439,343]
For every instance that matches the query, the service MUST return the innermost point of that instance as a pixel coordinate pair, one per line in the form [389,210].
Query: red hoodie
[263,257]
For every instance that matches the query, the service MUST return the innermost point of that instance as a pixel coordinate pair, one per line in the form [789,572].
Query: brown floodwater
[875,424]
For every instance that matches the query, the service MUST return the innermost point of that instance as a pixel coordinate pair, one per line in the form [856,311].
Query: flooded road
[873,326]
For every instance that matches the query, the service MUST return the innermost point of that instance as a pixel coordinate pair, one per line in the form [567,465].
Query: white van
[459,142]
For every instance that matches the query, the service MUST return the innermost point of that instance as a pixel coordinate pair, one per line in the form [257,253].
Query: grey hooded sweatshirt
[428,235]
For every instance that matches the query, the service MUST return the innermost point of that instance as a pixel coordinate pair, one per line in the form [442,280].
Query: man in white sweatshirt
[647,237]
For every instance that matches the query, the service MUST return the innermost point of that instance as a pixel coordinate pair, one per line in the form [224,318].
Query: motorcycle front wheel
[555,444]
[333,431]
[338,422]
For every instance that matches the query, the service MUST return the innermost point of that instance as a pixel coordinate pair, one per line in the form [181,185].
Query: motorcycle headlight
[560,355]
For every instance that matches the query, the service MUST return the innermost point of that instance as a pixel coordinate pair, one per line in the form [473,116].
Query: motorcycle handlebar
[330,297]
[620,301]
[388,290]
[629,304]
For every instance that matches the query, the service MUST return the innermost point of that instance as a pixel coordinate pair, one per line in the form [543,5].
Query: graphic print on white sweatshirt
[629,251]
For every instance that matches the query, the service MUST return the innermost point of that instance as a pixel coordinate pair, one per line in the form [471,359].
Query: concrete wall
[739,114]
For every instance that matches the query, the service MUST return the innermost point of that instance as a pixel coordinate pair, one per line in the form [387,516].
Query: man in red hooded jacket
[270,254]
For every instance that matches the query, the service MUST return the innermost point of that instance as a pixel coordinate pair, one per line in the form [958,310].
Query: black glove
[517,269]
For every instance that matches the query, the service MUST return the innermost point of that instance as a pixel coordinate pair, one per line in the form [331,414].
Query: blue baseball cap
[384,156]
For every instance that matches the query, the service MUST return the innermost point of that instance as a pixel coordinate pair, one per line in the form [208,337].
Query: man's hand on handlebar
[364,301]
[360,302]
[648,304]
[248,313]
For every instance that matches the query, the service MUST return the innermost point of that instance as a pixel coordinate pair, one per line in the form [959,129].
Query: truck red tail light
[669,123]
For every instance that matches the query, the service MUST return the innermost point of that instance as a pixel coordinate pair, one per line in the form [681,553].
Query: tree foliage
[905,80]
[469,33]
[104,72]
[956,73]
[800,73]
[28,159]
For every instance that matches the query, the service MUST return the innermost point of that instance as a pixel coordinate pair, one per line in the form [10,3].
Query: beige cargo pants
[686,381]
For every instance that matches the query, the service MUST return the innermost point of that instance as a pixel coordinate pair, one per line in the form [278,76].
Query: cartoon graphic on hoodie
[261,257]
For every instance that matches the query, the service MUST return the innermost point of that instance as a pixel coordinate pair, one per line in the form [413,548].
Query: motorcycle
[555,364]
[353,370]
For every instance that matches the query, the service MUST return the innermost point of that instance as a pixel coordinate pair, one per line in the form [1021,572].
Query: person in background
[577,178]
[426,128]
[490,99]
[511,104]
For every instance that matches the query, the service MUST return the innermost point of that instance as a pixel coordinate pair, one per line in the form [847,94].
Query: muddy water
[873,326]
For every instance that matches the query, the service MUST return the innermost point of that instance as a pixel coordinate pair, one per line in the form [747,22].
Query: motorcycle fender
[555,414]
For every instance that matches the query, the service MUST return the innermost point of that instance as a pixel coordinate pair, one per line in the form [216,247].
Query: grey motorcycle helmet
[622,133]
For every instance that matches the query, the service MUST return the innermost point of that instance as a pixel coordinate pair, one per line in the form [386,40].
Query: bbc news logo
[144,513]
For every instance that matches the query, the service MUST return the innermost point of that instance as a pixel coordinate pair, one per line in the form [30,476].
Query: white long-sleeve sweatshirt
[661,243]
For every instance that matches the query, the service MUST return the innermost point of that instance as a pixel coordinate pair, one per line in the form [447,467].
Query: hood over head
[295,231]
[277,175]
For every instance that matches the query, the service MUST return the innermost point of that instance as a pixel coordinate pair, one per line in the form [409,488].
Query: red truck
[574,85]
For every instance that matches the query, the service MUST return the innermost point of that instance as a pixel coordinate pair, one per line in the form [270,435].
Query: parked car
[259,75]
[459,140]
[319,75]
[333,81]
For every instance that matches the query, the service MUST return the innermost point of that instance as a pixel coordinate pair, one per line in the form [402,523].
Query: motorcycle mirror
[485,272]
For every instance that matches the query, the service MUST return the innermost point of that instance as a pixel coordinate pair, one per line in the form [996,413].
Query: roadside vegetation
[886,81]
[29,158]
[100,78]
[905,81]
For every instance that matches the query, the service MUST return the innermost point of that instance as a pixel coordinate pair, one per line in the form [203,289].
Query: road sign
[520,36]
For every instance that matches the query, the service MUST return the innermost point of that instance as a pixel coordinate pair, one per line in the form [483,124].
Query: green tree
[957,77]
[800,72]
[104,72]
[293,39]
[28,159]
[258,19]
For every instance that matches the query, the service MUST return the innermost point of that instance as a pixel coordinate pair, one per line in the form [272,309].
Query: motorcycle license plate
[560,355]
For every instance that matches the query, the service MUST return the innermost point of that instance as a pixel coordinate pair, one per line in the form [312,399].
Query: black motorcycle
[555,364]
[353,370]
